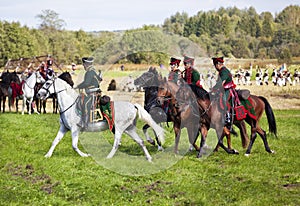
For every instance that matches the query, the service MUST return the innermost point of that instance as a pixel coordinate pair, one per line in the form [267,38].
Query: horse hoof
[160,148]
[236,152]
[151,141]
[47,156]
[247,155]
[272,152]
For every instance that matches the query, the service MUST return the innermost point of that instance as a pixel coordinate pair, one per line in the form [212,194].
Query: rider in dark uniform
[191,75]
[224,81]
[174,74]
[91,85]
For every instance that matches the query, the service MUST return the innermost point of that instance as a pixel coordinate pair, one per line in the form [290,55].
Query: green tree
[267,24]
[50,20]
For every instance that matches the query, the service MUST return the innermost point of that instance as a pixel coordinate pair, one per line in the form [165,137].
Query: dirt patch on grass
[29,174]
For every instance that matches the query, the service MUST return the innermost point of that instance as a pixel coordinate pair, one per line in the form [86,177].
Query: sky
[111,15]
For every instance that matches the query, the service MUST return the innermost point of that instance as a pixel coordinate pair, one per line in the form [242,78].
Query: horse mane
[200,92]
[66,76]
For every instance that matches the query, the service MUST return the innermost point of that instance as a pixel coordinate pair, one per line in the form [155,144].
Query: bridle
[166,96]
[57,92]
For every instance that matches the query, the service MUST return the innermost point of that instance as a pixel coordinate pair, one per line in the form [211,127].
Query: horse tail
[144,115]
[270,116]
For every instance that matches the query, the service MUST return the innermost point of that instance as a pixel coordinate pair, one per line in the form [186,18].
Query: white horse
[125,118]
[28,89]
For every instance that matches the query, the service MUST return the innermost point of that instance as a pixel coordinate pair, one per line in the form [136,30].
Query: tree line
[230,32]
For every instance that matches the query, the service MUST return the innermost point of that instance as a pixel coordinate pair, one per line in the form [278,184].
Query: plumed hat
[174,61]
[218,60]
[87,59]
[188,60]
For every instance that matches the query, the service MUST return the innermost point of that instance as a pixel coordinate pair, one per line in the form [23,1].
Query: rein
[206,110]
[57,92]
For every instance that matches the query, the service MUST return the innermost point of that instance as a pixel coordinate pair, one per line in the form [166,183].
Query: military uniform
[91,86]
[225,81]
[174,74]
[190,75]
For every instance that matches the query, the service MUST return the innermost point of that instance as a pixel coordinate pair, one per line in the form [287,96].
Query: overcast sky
[97,15]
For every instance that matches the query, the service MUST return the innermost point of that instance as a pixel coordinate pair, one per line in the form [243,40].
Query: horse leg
[252,139]
[204,132]
[44,106]
[220,135]
[177,137]
[263,135]
[243,132]
[75,134]
[60,134]
[117,141]
[148,138]
[37,103]
[30,106]
[4,100]
[10,99]
[54,105]
[23,105]
[132,133]
[17,105]
[193,135]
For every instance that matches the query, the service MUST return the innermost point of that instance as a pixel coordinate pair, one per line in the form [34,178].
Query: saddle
[242,104]
[102,109]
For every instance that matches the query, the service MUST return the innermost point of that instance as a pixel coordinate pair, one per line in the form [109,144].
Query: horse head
[147,79]
[166,91]
[47,89]
[8,77]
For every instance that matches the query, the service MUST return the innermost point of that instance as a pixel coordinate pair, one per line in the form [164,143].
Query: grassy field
[27,178]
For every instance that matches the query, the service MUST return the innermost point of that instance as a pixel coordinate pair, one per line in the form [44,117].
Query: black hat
[87,59]
[218,60]
[174,61]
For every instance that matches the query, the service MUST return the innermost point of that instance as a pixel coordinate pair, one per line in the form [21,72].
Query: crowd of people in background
[278,77]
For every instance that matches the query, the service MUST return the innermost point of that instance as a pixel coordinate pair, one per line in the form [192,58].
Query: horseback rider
[175,73]
[49,69]
[225,81]
[191,75]
[91,84]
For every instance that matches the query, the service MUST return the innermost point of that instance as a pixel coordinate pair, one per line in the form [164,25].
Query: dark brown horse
[213,116]
[149,82]
[183,116]
[6,79]
[210,117]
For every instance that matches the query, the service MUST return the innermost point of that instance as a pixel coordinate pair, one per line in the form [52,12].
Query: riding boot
[228,120]
[82,123]
[85,122]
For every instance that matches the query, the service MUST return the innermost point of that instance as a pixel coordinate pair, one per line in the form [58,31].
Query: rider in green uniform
[225,81]
[92,86]
[191,75]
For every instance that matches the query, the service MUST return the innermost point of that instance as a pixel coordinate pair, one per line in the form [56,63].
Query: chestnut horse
[182,117]
[212,115]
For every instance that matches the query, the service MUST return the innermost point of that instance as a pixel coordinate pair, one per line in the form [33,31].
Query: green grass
[27,178]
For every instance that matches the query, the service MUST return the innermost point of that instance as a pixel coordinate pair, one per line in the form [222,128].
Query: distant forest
[230,32]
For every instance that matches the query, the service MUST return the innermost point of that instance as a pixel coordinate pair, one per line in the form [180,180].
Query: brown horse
[183,116]
[213,116]
[209,117]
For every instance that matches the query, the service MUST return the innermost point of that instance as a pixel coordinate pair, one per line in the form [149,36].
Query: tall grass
[27,178]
